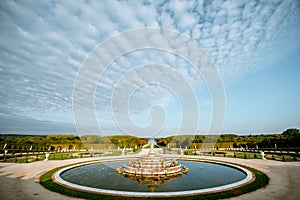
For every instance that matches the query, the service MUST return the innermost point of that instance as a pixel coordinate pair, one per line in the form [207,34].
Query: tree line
[288,138]
[44,142]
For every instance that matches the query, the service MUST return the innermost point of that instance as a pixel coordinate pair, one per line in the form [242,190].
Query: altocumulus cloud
[43,44]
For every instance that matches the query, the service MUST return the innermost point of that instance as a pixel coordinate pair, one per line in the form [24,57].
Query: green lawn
[71,155]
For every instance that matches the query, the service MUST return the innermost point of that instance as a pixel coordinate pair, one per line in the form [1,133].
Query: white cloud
[42,44]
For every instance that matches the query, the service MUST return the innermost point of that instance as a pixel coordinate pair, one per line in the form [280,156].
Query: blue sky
[254,45]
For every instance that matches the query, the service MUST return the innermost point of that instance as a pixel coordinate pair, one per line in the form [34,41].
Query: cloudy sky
[254,46]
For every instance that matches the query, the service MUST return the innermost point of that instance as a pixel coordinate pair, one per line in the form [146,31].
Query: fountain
[152,165]
[152,175]
[152,170]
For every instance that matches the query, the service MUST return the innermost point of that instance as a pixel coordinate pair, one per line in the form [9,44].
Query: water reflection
[201,175]
[152,170]
[152,181]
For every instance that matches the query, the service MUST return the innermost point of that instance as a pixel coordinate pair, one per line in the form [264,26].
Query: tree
[141,142]
[291,132]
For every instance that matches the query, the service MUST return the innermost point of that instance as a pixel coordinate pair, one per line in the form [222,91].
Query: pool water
[201,175]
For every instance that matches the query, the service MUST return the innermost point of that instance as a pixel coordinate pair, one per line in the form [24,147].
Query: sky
[253,46]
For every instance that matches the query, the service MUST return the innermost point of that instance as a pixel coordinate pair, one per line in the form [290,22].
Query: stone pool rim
[247,180]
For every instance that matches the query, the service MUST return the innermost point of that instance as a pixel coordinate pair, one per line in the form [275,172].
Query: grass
[245,155]
[34,158]
[261,180]
[28,158]
[25,158]
[72,155]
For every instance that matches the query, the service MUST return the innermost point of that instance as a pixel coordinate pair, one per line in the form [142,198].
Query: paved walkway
[18,180]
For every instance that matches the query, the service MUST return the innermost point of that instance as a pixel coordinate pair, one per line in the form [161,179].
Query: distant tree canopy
[21,142]
[26,142]
[94,139]
[127,141]
[288,138]
[120,141]
[62,139]
[291,132]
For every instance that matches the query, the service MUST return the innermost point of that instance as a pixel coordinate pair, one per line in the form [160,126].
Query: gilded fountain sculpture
[152,170]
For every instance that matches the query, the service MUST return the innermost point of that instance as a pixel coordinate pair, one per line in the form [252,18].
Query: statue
[164,164]
[175,162]
[263,155]
[152,152]
[47,156]
[123,151]
[141,165]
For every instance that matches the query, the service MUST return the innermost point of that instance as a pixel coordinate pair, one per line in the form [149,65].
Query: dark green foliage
[136,149]
[42,143]
[285,141]
[289,138]
[291,132]
[273,157]
[126,141]
[294,159]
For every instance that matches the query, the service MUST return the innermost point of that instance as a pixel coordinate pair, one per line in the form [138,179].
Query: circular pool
[203,177]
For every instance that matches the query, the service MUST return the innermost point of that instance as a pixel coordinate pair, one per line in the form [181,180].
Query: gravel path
[17,181]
